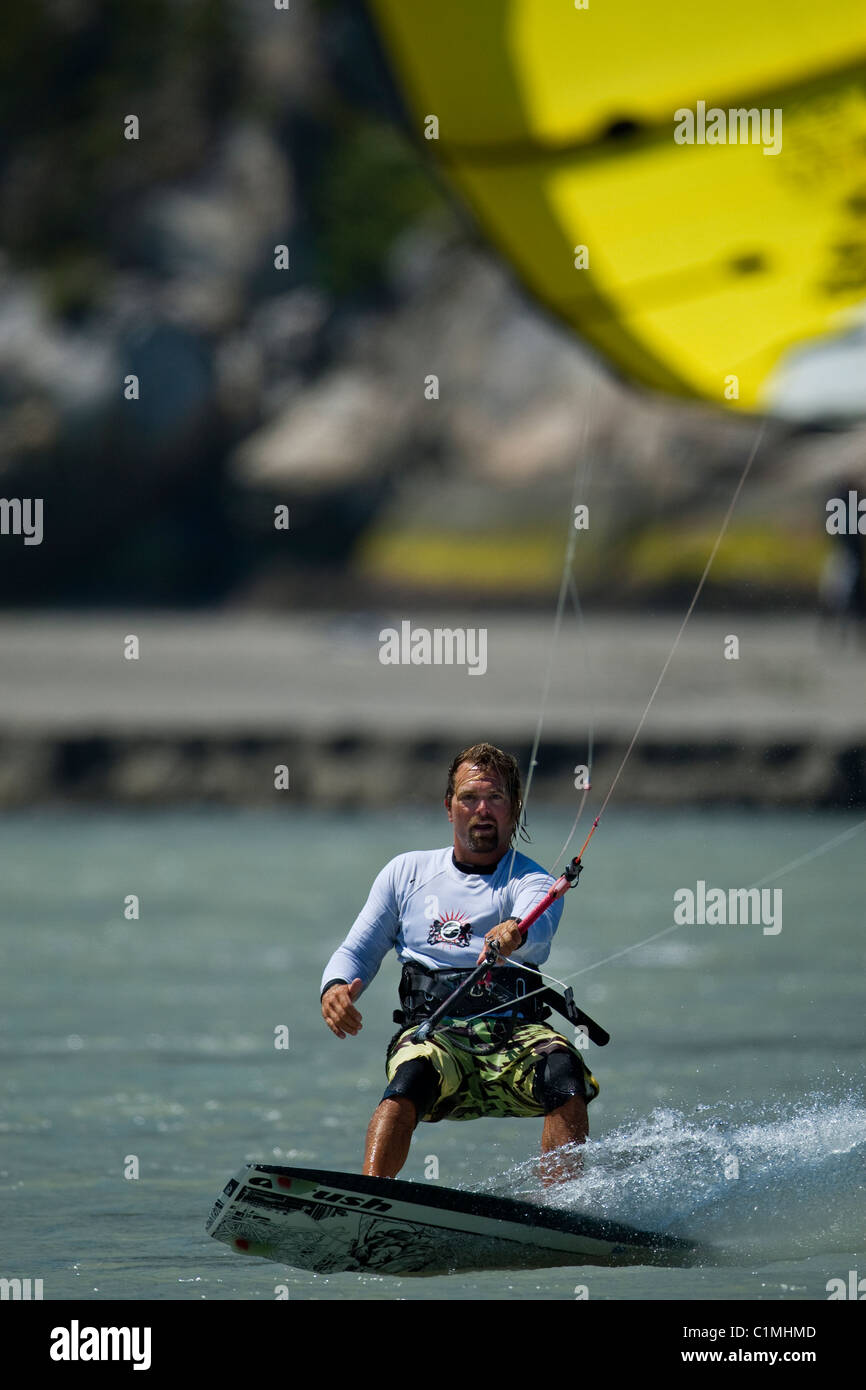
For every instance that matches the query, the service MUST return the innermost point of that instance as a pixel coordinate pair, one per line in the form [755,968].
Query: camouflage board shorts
[482,1071]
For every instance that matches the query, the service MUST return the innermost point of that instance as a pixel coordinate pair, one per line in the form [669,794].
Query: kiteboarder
[493,1055]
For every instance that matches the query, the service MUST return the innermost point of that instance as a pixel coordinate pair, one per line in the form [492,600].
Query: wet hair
[488,758]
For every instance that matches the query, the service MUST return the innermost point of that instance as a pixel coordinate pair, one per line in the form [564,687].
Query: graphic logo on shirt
[453,929]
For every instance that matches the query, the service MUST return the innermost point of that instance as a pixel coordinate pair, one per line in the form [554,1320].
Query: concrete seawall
[214,704]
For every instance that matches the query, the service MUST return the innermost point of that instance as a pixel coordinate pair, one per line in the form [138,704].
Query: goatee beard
[483,839]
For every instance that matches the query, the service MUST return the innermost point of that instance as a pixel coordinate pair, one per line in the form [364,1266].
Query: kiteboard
[329,1222]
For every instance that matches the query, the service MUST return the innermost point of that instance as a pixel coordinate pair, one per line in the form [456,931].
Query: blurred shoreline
[216,702]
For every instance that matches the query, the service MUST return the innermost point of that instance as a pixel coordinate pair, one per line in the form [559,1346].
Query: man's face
[480,812]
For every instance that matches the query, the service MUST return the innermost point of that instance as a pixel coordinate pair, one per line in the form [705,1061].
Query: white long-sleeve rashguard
[432,912]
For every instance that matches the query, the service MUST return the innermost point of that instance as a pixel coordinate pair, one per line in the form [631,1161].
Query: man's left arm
[529,891]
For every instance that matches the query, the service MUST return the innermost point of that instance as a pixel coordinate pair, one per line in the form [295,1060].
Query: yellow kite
[684,184]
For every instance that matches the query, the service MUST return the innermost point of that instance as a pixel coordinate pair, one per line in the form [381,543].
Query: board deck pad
[329,1222]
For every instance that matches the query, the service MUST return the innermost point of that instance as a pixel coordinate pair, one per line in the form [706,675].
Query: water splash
[786,1183]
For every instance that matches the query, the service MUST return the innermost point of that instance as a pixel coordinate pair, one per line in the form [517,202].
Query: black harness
[504,989]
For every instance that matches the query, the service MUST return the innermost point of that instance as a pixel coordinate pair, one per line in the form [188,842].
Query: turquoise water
[732,1106]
